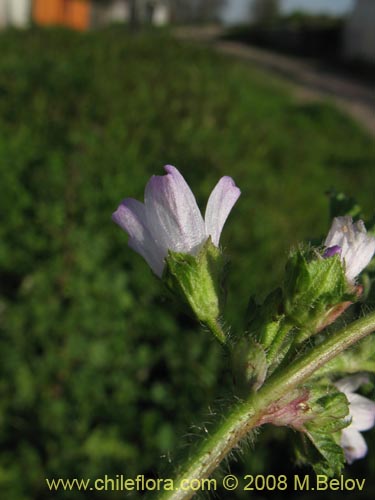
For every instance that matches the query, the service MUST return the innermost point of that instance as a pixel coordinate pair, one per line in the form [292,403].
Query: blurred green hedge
[100,373]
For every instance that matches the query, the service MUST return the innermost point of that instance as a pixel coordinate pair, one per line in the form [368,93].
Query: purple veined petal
[131,217]
[220,203]
[362,411]
[173,216]
[353,444]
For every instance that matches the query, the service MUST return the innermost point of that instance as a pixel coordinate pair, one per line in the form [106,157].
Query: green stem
[345,366]
[247,414]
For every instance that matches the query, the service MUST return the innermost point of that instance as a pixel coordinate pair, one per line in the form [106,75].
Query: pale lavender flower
[351,241]
[361,415]
[169,218]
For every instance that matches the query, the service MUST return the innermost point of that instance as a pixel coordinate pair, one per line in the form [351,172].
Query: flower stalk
[215,328]
[248,414]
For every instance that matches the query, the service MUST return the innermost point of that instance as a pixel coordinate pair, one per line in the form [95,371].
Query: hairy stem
[247,414]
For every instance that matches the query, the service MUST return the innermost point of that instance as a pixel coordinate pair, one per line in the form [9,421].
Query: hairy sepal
[197,280]
[313,287]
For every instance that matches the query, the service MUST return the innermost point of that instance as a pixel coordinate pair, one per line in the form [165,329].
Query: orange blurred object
[71,13]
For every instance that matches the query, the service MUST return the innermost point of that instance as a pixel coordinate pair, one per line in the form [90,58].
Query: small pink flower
[169,218]
[351,241]
[361,417]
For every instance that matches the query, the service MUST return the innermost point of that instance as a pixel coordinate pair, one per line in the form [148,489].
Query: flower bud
[314,287]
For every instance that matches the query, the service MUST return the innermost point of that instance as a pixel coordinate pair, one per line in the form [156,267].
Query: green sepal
[313,286]
[197,280]
[249,366]
[263,321]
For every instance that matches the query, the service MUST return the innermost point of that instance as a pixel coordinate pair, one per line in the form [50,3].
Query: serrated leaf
[331,409]
[328,409]
[331,460]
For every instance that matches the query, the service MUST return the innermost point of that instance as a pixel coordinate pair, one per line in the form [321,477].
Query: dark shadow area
[316,38]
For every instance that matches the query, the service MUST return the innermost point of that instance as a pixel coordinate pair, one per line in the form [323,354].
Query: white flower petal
[362,411]
[361,415]
[353,444]
[173,216]
[220,203]
[357,247]
[131,216]
[336,235]
[351,383]
[361,253]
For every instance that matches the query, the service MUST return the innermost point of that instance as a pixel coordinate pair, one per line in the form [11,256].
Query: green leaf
[330,407]
[326,417]
[321,451]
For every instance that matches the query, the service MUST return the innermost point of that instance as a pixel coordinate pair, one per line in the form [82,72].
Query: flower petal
[357,247]
[220,203]
[361,253]
[336,235]
[353,444]
[362,411]
[173,216]
[131,216]
[351,383]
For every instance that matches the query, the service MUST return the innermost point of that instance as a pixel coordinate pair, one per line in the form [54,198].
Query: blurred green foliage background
[100,373]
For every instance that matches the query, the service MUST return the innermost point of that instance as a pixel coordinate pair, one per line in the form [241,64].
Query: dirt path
[308,80]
